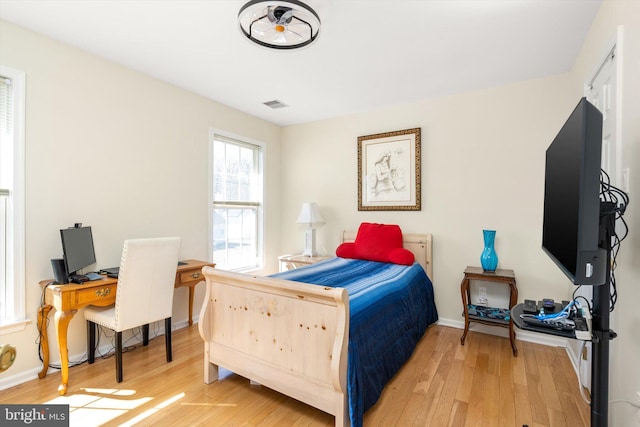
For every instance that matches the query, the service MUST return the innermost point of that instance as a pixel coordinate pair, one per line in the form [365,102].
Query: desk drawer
[100,295]
[194,275]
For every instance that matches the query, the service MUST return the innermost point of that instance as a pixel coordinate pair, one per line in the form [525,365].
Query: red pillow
[401,256]
[346,250]
[375,241]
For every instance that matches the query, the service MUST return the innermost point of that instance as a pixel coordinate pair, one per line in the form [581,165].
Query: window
[12,270]
[237,183]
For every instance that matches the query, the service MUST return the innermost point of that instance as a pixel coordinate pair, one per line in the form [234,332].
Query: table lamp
[310,215]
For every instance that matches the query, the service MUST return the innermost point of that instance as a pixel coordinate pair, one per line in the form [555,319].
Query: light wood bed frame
[289,336]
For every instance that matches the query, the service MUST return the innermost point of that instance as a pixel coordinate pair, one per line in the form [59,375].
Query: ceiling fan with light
[279,24]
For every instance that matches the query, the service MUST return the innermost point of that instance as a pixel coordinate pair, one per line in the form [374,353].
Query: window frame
[262,154]
[15,252]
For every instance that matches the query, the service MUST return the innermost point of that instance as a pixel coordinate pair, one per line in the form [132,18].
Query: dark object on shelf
[517,310]
[530,306]
[550,308]
[549,324]
[78,278]
[548,304]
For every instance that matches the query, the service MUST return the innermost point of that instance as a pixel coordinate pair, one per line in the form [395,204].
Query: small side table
[506,277]
[290,262]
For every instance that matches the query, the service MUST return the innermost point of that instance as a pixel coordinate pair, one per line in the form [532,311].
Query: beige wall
[122,152]
[482,167]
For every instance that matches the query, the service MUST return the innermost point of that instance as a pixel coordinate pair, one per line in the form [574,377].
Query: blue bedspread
[390,308]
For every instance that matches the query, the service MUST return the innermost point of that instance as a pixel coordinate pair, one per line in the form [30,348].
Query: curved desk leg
[62,325]
[464,290]
[43,313]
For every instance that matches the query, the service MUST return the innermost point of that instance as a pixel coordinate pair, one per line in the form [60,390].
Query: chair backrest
[146,281]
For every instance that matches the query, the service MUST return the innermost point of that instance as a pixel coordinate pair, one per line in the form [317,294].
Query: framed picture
[389,171]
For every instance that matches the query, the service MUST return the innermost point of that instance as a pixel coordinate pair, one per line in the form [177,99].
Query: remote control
[530,306]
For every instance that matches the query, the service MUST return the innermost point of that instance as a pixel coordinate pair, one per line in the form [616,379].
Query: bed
[295,337]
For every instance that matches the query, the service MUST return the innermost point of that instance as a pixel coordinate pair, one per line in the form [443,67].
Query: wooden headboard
[419,244]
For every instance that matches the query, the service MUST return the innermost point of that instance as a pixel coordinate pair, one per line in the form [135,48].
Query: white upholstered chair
[144,295]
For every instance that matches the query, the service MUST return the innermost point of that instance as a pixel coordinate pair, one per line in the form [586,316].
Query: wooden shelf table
[501,276]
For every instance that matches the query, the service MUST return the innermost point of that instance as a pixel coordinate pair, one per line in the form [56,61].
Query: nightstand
[290,262]
[505,277]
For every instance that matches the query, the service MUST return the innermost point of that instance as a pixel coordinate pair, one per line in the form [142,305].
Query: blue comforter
[390,308]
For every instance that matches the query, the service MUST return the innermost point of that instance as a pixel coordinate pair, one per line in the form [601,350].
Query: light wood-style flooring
[443,384]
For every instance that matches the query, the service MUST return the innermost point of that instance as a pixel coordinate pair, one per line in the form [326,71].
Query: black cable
[618,201]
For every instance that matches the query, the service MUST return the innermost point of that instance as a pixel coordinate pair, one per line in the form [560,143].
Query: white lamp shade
[310,214]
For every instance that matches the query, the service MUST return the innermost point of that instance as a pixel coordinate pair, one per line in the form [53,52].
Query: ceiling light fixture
[279,24]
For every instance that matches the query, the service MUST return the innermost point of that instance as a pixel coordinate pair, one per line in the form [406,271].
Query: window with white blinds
[237,183]
[12,283]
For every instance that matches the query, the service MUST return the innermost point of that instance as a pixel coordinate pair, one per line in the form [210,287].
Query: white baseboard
[500,331]
[9,381]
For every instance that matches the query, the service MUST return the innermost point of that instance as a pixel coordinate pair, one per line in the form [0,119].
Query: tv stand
[601,332]
[601,335]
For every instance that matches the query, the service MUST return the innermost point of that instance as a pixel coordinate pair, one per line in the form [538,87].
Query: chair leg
[145,335]
[167,338]
[119,357]
[91,341]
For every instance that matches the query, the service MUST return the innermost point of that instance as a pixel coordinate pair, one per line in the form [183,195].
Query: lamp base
[309,243]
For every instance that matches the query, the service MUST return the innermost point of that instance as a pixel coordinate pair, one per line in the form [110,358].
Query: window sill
[14,326]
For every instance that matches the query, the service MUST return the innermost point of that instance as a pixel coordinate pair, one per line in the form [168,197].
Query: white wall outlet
[482,296]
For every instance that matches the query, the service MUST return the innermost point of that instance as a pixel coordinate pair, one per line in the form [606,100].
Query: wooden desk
[70,297]
[505,277]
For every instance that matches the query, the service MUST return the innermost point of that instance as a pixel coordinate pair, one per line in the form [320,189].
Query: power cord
[618,201]
[43,326]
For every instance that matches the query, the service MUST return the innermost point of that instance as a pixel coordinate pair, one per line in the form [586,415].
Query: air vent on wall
[275,104]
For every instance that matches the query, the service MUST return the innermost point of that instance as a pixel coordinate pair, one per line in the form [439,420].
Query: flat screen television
[571,223]
[77,246]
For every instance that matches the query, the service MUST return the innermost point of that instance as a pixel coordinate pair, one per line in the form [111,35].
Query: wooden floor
[443,384]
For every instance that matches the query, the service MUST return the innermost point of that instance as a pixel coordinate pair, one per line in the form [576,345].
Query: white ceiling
[370,53]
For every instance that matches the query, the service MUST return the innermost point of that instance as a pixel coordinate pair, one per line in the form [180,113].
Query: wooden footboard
[289,336]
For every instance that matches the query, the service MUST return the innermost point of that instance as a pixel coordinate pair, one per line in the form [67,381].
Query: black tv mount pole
[601,333]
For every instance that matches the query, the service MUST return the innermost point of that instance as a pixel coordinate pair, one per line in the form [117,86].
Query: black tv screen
[570,231]
[77,246]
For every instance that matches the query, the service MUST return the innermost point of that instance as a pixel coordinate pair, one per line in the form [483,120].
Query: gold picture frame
[389,171]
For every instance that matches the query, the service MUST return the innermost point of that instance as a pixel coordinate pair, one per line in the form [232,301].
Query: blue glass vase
[489,257]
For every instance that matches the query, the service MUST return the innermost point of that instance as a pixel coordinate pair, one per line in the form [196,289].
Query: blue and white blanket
[390,305]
